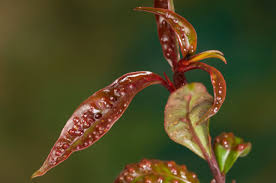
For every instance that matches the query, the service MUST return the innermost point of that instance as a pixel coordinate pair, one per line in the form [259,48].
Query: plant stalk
[211,159]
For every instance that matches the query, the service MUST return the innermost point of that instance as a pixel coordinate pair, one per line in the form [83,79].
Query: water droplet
[175,21]
[86,124]
[131,170]
[225,143]
[108,126]
[116,92]
[170,164]
[112,98]
[122,93]
[79,133]
[72,132]
[101,128]
[129,178]
[65,146]
[58,152]
[173,171]
[98,115]
[76,119]
[160,180]
[215,109]
[164,38]
[148,181]
[85,144]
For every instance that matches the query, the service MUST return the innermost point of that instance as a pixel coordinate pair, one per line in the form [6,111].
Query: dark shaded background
[55,53]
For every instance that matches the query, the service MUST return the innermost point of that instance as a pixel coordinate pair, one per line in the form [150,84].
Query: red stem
[167,83]
[211,159]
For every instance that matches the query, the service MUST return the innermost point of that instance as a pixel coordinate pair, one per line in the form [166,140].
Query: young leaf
[207,54]
[228,148]
[96,115]
[184,108]
[184,31]
[156,171]
[166,34]
[218,82]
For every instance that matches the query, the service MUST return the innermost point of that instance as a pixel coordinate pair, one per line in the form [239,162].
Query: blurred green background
[55,53]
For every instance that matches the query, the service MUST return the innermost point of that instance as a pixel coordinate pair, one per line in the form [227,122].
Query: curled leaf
[207,54]
[166,34]
[184,31]
[184,108]
[156,171]
[228,148]
[96,115]
[218,82]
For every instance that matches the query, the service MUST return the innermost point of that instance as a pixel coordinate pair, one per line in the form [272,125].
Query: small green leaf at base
[228,148]
[156,171]
[184,109]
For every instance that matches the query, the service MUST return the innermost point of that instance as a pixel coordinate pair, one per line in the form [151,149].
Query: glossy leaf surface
[228,148]
[184,31]
[207,54]
[156,171]
[96,115]
[166,34]
[218,82]
[184,109]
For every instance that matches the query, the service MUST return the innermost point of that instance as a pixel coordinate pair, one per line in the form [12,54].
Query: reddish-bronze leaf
[156,171]
[218,82]
[96,115]
[166,34]
[184,31]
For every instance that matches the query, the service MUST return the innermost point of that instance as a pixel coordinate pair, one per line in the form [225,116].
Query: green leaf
[228,148]
[156,171]
[184,109]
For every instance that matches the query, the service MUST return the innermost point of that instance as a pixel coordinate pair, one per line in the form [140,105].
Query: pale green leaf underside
[193,101]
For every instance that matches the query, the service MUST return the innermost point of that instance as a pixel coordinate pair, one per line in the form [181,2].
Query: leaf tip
[37,173]
[139,8]
[41,171]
